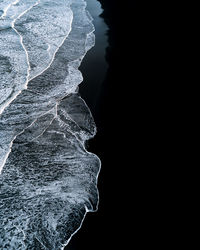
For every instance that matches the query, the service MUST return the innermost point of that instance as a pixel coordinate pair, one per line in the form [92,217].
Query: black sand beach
[103,229]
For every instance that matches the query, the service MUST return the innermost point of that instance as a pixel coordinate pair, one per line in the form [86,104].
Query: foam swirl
[48,179]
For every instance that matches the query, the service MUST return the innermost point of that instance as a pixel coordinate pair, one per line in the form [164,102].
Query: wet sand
[102,89]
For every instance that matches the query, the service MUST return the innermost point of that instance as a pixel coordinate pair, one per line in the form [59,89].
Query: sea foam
[48,179]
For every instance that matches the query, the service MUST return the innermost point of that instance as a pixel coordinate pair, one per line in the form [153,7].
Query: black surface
[106,229]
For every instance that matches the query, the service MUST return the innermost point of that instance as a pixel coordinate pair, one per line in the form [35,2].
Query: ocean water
[31,33]
[48,180]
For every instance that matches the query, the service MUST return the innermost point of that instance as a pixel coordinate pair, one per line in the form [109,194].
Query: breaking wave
[48,179]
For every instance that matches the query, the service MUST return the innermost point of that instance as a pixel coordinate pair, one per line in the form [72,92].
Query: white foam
[74,78]
[19,12]
[8,18]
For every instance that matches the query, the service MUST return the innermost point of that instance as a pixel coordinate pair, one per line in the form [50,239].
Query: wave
[33,31]
[48,179]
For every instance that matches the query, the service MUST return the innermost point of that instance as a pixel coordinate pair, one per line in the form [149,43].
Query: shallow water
[48,179]
[30,37]
[94,68]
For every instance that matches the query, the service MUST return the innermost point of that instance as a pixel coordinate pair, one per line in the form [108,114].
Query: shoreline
[94,69]
[104,228]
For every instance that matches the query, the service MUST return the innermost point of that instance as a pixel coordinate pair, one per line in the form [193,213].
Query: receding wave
[31,33]
[48,179]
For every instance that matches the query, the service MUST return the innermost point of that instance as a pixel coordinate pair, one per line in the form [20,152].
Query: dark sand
[104,90]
